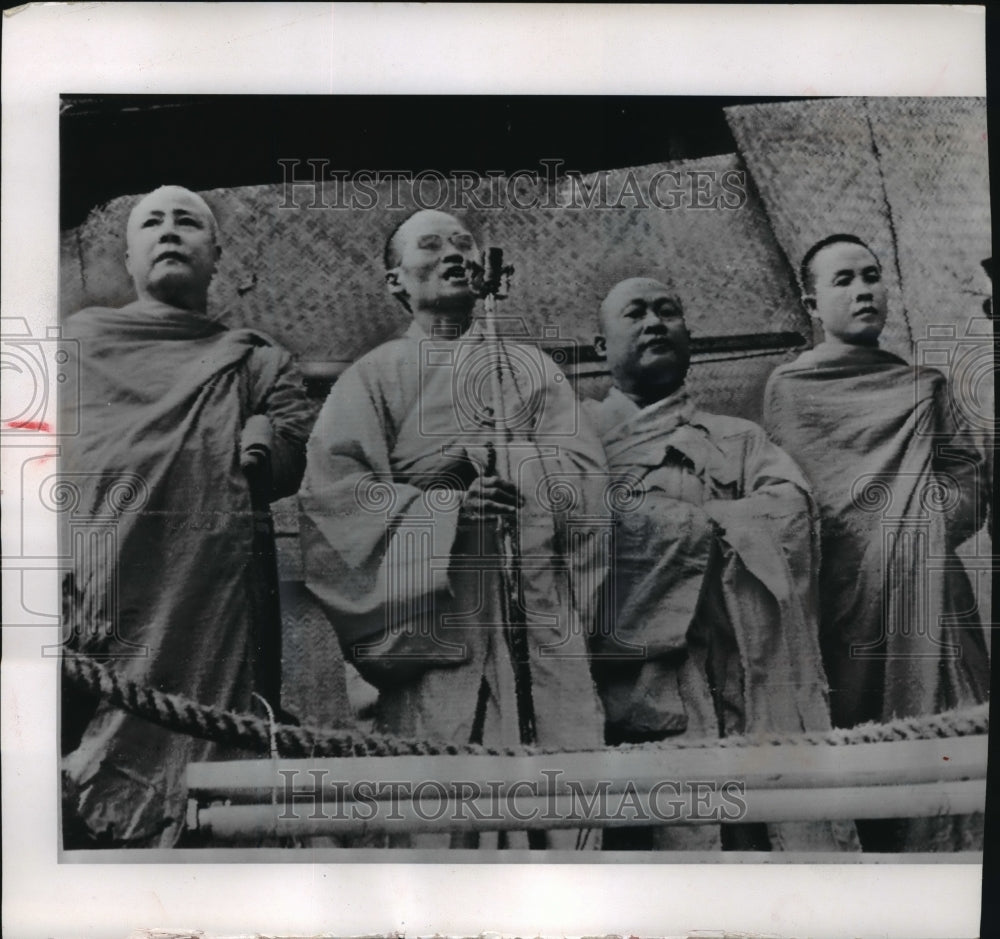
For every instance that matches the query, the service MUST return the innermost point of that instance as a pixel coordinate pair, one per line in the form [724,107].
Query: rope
[183,715]
[246,731]
[272,745]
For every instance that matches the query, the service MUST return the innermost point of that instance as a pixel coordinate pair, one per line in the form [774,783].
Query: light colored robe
[164,396]
[713,630]
[412,592]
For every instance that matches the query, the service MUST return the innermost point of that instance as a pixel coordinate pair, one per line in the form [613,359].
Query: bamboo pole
[766,767]
[224,823]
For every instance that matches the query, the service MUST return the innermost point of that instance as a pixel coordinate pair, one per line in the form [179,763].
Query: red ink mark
[40,426]
[946,758]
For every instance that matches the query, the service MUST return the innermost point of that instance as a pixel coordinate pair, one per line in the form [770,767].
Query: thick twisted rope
[248,732]
[181,714]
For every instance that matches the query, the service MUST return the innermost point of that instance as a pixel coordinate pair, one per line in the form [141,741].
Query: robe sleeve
[774,408]
[565,429]
[961,462]
[770,586]
[579,463]
[369,542]
[772,527]
[662,556]
[287,409]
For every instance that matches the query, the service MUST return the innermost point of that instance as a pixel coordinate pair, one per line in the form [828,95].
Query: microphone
[496,275]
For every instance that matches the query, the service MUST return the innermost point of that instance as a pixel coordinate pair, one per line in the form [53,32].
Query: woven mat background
[313,278]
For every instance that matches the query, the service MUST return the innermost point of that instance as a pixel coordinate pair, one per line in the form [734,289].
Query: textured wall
[313,277]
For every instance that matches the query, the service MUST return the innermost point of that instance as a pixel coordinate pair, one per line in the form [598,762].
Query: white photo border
[319,48]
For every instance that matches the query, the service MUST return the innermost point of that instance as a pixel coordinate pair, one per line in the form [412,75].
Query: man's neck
[195,304]
[647,397]
[655,388]
[842,344]
[443,325]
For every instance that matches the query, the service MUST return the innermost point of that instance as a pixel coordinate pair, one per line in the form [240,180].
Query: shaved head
[647,342]
[172,248]
[620,294]
[181,195]
[418,219]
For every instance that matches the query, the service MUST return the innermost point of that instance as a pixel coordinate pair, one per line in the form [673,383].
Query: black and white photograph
[468,478]
[628,494]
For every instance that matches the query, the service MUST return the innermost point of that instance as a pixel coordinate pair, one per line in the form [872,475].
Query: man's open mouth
[455,272]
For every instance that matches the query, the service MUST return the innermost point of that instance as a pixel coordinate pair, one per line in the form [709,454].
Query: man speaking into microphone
[403,507]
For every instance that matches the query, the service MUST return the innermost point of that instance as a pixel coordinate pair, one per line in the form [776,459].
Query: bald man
[713,631]
[403,491]
[174,411]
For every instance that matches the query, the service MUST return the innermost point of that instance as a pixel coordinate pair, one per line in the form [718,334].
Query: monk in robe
[405,485]
[899,486]
[712,628]
[174,411]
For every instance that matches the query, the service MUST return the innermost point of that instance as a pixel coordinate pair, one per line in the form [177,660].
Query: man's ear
[392,281]
[216,255]
[396,288]
[809,302]
[601,346]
